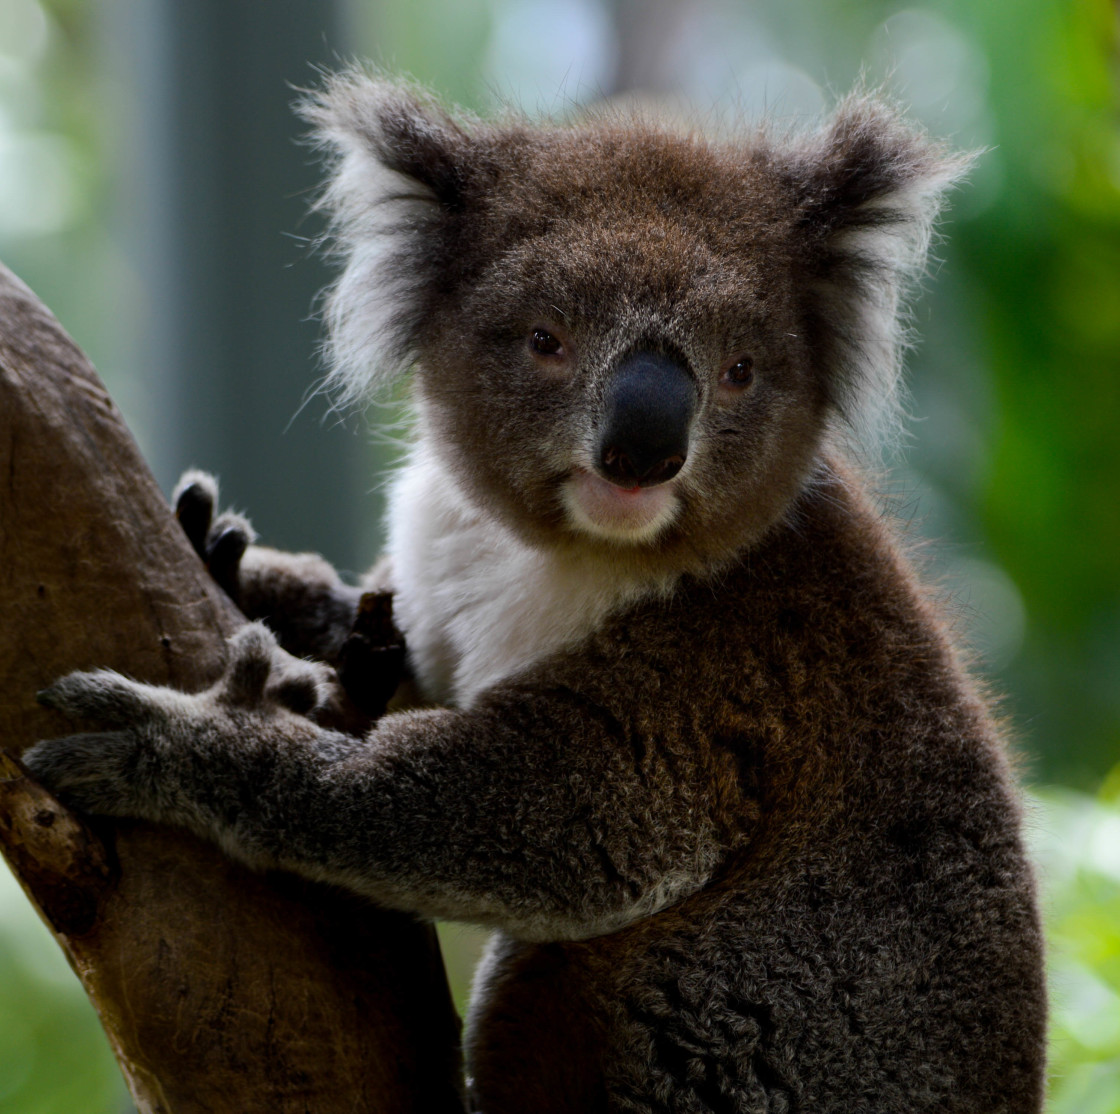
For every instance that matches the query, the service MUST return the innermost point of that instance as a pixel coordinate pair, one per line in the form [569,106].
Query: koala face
[628,372]
[624,340]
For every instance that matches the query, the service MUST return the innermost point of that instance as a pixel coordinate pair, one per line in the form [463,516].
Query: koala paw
[104,771]
[220,541]
[151,741]
[261,674]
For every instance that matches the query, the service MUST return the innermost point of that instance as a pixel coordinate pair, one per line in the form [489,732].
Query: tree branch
[220,989]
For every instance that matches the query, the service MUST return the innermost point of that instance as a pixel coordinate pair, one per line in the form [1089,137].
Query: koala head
[624,338]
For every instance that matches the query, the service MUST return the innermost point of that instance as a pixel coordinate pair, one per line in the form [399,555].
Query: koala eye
[740,373]
[543,343]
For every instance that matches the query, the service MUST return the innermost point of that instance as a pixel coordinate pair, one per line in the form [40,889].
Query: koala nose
[650,402]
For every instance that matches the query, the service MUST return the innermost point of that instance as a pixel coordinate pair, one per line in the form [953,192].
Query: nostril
[630,470]
[619,467]
[664,471]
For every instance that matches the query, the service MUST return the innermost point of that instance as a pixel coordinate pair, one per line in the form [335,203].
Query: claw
[194,499]
[87,772]
[252,650]
[229,537]
[103,697]
[301,695]
[302,686]
[48,699]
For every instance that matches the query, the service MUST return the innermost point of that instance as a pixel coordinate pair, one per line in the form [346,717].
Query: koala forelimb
[495,862]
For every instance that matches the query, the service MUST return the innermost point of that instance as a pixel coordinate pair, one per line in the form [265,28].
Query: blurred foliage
[1077,846]
[54,1058]
[1014,463]
[55,172]
[1044,259]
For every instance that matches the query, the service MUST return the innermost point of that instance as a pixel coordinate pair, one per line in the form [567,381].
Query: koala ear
[869,186]
[400,171]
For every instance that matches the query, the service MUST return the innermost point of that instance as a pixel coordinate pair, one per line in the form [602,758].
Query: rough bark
[220,989]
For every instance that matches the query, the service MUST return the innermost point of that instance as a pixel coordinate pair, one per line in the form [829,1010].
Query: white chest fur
[474,602]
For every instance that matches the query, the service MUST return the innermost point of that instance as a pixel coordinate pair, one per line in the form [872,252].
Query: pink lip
[628,513]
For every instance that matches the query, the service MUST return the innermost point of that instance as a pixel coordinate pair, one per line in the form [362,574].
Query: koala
[685,729]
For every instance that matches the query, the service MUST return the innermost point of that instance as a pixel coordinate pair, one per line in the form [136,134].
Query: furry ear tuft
[870,186]
[399,170]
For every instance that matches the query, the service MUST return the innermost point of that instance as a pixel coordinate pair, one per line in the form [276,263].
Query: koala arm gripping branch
[533,811]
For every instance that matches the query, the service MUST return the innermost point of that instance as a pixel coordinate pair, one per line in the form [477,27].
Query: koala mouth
[605,510]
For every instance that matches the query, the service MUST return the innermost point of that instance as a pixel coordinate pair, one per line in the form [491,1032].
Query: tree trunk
[220,989]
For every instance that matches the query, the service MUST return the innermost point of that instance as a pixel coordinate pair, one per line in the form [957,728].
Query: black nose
[650,402]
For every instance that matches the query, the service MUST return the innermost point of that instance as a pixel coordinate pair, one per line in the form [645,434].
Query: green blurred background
[153,193]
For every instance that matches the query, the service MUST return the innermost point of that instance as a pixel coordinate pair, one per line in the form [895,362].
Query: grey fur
[743,822]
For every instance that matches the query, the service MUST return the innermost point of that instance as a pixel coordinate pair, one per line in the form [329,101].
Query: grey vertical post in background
[214,199]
